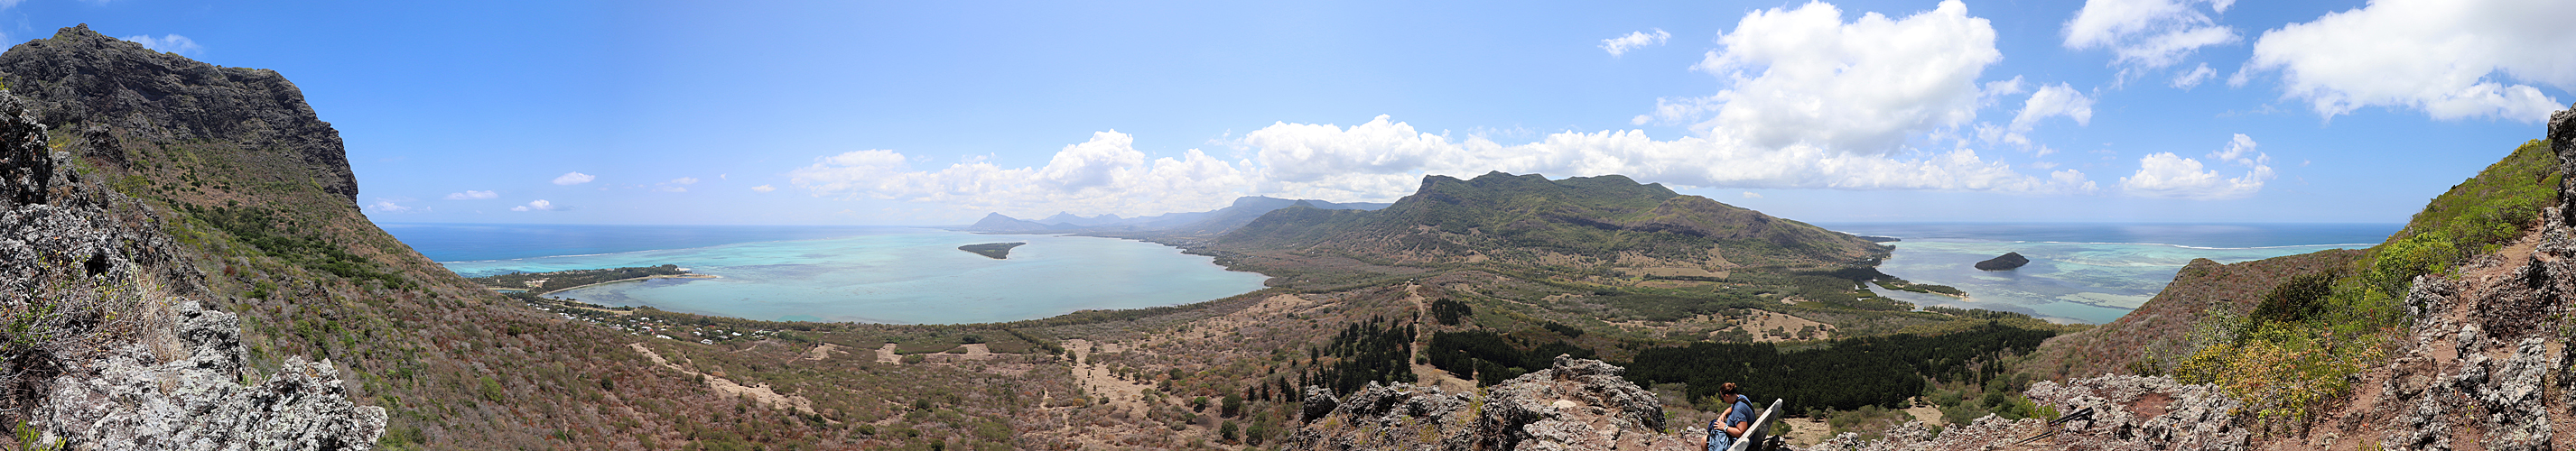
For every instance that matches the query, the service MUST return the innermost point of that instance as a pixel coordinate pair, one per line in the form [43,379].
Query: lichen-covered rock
[132,400]
[2129,413]
[1575,404]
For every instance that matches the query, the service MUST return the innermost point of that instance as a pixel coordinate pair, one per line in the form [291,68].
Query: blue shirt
[1743,413]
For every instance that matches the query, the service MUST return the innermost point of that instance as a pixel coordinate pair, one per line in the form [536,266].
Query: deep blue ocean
[2089,273]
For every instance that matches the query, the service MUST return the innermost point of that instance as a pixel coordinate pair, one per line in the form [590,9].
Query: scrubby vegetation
[1843,374]
[2309,336]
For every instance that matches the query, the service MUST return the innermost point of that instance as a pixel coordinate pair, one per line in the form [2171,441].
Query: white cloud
[2192,78]
[166,43]
[1634,40]
[384,205]
[574,178]
[1805,76]
[1752,195]
[1678,110]
[677,185]
[1811,102]
[2450,58]
[2060,100]
[1103,175]
[2164,174]
[2148,34]
[539,205]
[472,195]
[764,188]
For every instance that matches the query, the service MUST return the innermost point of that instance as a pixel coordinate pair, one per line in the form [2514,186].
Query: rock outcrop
[106,349]
[2006,262]
[82,80]
[1575,404]
[135,401]
[2129,413]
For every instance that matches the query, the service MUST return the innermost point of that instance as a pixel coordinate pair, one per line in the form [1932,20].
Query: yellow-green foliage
[2284,362]
[2282,371]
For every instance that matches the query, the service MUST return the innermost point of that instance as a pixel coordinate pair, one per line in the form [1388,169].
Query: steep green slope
[2291,334]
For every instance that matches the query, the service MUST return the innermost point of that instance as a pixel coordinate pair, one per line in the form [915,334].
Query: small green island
[998,251]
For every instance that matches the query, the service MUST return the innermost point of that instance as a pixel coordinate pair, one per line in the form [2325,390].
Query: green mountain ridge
[1528,220]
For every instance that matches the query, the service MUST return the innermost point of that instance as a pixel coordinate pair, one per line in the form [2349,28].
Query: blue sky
[921,113]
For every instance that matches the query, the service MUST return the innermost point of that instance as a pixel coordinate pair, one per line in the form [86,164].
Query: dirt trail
[1426,374]
[760,392]
[1100,384]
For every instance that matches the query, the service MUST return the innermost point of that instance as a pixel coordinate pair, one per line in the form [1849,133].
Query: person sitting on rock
[1731,424]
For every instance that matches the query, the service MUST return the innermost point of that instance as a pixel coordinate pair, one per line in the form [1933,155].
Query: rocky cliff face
[1576,404]
[115,91]
[106,346]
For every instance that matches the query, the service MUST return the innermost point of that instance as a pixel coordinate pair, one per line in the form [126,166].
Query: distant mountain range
[1211,222]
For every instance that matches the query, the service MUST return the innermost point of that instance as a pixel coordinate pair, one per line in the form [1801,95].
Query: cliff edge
[107,346]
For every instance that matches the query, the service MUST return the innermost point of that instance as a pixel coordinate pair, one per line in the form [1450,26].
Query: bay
[2084,273]
[880,274]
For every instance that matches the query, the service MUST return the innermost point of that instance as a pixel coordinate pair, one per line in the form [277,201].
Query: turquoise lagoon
[2088,273]
[897,275]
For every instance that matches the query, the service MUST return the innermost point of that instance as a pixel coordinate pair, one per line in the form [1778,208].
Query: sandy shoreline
[681,276]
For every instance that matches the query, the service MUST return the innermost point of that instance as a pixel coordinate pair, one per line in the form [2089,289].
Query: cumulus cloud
[1810,101]
[2450,58]
[2148,34]
[2165,174]
[166,43]
[1804,77]
[384,205]
[2192,78]
[1105,174]
[2059,100]
[472,195]
[574,178]
[763,188]
[1752,195]
[539,205]
[1634,40]
[1383,159]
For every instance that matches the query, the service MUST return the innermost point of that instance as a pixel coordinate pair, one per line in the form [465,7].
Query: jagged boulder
[134,400]
[2129,413]
[1574,404]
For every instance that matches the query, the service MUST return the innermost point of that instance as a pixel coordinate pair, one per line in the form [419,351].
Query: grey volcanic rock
[1576,404]
[2006,262]
[114,354]
[133,400]
[81,78]
[2130,413]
